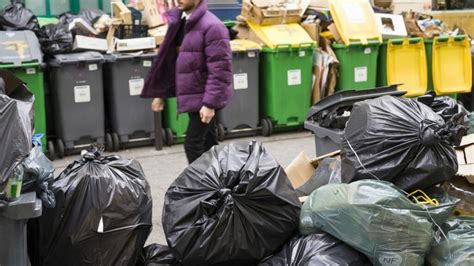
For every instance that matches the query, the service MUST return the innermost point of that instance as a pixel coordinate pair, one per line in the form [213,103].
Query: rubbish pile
[135,27]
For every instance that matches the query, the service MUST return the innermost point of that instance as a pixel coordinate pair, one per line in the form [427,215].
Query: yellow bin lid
[452,65]
[406,64]
[244,45]
[284,34]
[355,20]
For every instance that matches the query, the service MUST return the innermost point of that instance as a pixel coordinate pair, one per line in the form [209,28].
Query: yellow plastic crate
[406,64]
[452,68]
[285,34]
[355,20]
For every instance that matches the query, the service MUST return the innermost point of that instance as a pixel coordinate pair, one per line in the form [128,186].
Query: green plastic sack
[459,250]
[376,218]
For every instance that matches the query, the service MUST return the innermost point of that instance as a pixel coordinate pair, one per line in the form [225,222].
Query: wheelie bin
[242,113]
[13,219]
[286,64]
[175,125]
[130,118]
[20,53]
[78,97]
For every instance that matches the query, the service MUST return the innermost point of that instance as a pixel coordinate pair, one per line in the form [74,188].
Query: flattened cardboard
[121,11]
[152,14]
[469,154]
[460,157]
[135,44]
[159,34]
[88,43]
[300,170]
[465,155]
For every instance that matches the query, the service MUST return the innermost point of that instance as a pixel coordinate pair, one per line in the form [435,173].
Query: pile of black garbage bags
[381,203]
[54,38]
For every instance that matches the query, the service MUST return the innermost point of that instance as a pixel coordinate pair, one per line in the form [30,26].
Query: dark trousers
[200,137]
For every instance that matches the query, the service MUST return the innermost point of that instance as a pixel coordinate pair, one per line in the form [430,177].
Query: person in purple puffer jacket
[194,64]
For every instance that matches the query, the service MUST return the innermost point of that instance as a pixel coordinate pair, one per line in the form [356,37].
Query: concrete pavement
[162,167]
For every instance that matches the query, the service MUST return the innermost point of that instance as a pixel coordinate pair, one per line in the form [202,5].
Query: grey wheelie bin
[129,117]
[327,118]
[78,97]
[242,113]
[13,219]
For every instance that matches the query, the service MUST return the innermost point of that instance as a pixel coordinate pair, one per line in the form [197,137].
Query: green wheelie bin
[20,54]
[285,86]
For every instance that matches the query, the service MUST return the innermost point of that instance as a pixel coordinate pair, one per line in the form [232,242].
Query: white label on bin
[136,86]
[241,81]
[82,94]
[302,53]
[354,13]
[31,71]
[251,54]
[294,77]
[360,74]
[93,67]
[146,63]
[367,50]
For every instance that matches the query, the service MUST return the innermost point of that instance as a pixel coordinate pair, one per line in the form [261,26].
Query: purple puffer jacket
[201,74]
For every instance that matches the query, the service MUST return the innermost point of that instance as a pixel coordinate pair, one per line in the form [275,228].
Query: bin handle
[415,40]
[280,47]
[306,45]
[396,41]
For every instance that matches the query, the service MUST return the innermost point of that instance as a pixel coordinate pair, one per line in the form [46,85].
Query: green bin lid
[19,47]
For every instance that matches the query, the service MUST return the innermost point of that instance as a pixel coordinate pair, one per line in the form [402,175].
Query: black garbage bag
[232,206]
[66,18]
[16,123]
[56,39]
[38,176]
[91,15]
[328,172]
[156,254]
[316,249]
[398,140]
[453,114]
[16,17]
[103,214]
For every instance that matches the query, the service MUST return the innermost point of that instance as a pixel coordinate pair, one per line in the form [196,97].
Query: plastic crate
[357,65]
[131,31]
[225,11]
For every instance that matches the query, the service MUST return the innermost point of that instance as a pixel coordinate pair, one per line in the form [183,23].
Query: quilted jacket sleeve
[218,53]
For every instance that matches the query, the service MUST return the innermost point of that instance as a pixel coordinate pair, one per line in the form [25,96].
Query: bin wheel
[60,146]
[109,143]
[169,137]
[163,136]
[51,151]
[267,127]
[220,132]
[116,141]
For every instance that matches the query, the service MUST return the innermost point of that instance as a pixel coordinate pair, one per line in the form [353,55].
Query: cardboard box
[391,26]
[121,11]
[300,170]
[135,44]
[245,33]
[313,30]
[152,14]
[159,34]
[465,155]
[89,43]
[263,13]
[335,33]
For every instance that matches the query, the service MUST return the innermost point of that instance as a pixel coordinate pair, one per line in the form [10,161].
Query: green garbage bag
[375,218]
[458,248]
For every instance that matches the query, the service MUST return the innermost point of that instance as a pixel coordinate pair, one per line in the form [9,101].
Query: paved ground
[162,167]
